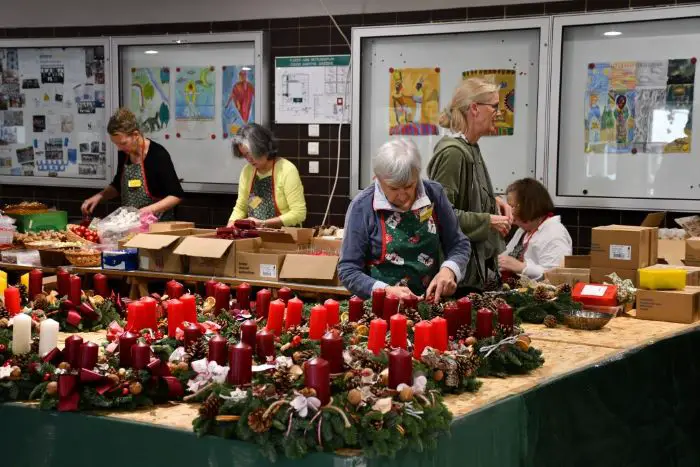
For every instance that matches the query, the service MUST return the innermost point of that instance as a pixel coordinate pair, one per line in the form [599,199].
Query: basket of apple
[81,233]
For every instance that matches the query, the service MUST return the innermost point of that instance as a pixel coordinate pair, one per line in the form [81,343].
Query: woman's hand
[400,292]
[504,209]
[91,203]
[257,222]
[508,263]
[500,224]
[443,284]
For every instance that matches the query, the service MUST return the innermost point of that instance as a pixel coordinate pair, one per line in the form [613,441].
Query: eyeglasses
[493,106]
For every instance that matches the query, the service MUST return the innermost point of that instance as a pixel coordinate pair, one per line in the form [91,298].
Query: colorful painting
[150,99]
[238,98]
[633,107]
[414,107]
[195,108]
[505,80]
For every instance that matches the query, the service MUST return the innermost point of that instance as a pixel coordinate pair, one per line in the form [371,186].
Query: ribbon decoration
[161,373]
[53,356]
[207,327]
[70,385]
[207,372]
[490,348]
[114,331]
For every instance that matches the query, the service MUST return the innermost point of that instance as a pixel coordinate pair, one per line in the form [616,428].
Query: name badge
[135,183]
[425,213]
[254,201]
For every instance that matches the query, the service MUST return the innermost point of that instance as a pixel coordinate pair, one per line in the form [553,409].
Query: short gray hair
[258,139]
[397,162]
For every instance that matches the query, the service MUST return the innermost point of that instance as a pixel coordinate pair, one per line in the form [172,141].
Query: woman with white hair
[396,229]
[458,166]
[270,192]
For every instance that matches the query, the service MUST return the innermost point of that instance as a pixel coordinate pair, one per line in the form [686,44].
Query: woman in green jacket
[458,166]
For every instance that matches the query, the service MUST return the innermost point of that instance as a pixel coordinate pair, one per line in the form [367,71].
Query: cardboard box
[599,275]
[676,306]
[262,258]
[170,226]
[623,247]
[692,251]
[305,266]
[208,255]
[570,276]
[156,252]
[672,251]
[577,261]
[693,272]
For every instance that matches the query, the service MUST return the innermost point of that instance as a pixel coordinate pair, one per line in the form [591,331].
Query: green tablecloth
[641,409]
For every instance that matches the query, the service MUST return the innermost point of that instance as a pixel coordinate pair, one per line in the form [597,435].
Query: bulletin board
[53,111]
[191,93]
[623,105]
[404,76]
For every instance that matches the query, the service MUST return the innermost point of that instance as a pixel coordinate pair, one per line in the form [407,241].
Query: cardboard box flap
[309,267]
[169,226]
[203,247]
[151,241]
[276,236]
[328,245]
[654,219]
[301,235]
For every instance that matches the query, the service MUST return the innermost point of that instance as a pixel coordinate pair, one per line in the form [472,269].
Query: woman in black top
[145,177]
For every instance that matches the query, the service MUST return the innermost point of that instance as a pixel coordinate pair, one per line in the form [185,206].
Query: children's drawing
[652,74]
[681,71]
[648,104]
[195,88]
[505,80]
[238,98]
[414,101]
[624,75]
[150,99]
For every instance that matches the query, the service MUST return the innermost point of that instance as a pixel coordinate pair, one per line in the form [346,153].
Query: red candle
[484,323]
[332,351]
[391,306]
[317,375]
[75,290]
[355,309]
[71,351]
[284,294]
[332,312]
[209,287]
[140,355]
[294,309]
[465,310]
[217,350]
[150,313]
[378,302]
[439,334]
[192,334]
[126,341]
[176,315]
[136,316]
[505,315]
[262,303]
[397,324]
[100,285]
[189,304]
[421,338]
[36,283]
[453,316]
[241,364]
[88,355]
[63,282]
[410,303]
[248,331]
[265,344]
[173,289]
[243,296]
[400,368]
[12,300]
[222,295]
[377,335]
[317,322]
[275,317]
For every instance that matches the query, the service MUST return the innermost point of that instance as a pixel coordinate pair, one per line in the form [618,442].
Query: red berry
[296,340]
[47,376]
[125,391]
[3,348]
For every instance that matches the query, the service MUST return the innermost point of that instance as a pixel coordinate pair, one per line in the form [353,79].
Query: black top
[161,177]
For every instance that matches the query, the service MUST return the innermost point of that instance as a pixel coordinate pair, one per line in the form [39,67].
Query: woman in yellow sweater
[270,192]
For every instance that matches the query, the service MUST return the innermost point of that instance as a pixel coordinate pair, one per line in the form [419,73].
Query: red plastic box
[595,294]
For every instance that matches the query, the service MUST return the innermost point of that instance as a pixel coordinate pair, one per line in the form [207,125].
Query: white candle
[21,334]
[48,336]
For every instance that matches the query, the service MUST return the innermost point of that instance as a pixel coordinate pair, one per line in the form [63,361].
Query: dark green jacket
[459,167]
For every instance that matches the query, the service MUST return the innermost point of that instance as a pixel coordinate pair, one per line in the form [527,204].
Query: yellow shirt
[289,193]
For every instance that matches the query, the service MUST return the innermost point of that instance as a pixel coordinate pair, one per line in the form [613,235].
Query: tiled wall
[313,36]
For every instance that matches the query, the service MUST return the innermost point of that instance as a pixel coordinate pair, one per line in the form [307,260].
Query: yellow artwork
[505,80]
[414,103]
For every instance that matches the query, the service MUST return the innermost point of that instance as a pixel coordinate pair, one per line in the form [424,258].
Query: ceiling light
[246,68]
[151,52]
[612,33]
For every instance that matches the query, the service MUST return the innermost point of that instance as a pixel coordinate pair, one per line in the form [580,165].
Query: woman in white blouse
[541,241]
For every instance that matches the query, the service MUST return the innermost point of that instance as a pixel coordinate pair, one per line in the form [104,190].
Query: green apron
[410,249]
[262,204]
[135,190]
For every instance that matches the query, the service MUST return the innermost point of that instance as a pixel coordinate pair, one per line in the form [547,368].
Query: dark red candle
[75,294]
[355,309]
[284,294]
[243,296]
[264,344]
[100,284]
[453,316]
[377,335]
[332,312]
[275,317]
[222,295]
[126,341]
[378,302]
[192,334]
[421,338]
[176,315]
[399,333]
[465,311]
[294,309]
[262,303]
[505,315]
[248,331]
[72,350]
[240,364]
[317,322]
[36,283]
[391,306]
[217,350]
[140,355]
[317,375]
[400,368]
[484,323]
[209,287]
[332,351]
[88,355]
[410,303]
[438,339]
[63,282]
[173,289]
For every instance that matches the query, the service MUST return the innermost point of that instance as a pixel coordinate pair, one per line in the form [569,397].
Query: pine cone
[543,293]
[257,422]
[301,356]
[437,310]
[367,315]
[463,332]
[467,365]
[412,315]
[22,360]
[210,407]
[563,289]
[24,294]
[352,380]
[35,345]
[345,327]
[283,379]
[550,321]
[4,314]
[40,302]
[198,349]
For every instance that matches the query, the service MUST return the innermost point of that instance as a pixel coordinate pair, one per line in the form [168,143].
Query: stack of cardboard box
[622,249]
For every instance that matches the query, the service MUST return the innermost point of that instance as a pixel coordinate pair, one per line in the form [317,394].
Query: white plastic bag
[119,224]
